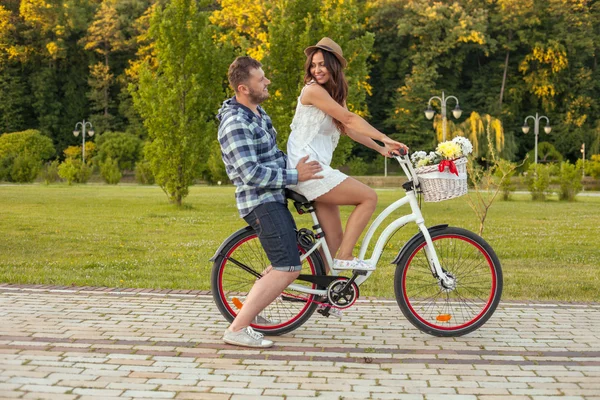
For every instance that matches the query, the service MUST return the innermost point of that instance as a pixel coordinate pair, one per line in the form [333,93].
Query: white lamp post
[583,160]
[430,112]
[83,124]
[536,129]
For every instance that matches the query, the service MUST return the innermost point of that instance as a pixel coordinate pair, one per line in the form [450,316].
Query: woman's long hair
[336,86]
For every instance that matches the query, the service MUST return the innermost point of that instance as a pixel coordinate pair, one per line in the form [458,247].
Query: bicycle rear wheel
[449,311]
[240,263]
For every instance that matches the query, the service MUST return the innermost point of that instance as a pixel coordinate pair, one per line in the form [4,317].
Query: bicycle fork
[447,280]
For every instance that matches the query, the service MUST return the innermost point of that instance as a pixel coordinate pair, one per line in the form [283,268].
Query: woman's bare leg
[329,219]
[355,193]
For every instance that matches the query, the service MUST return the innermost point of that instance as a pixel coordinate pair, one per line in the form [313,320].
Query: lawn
[130,236]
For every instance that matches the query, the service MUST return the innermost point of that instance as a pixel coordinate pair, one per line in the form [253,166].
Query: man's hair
[239,71]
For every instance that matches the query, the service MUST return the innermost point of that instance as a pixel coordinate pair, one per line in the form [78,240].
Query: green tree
[441,35]
[179,99]
[104,37]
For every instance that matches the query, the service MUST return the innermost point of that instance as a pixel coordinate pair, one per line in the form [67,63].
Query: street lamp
[583,160]
[84,124]
[536,129]
[430,112]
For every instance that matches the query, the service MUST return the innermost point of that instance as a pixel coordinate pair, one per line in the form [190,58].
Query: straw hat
[330,46]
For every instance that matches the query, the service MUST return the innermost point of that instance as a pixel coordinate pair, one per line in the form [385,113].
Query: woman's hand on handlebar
[393,148]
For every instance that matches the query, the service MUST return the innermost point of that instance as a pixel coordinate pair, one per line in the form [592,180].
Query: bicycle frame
[415,216]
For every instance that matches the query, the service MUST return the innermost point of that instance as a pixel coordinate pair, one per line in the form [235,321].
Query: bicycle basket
[439,186]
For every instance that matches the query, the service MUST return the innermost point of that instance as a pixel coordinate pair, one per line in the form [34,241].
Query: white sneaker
[246,337]
[354,264]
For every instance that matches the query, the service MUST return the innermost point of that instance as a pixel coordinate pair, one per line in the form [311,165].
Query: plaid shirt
[252,159]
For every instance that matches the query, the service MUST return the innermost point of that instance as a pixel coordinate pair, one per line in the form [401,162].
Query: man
[258,170]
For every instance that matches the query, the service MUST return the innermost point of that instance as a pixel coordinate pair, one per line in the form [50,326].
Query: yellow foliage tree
[244,25]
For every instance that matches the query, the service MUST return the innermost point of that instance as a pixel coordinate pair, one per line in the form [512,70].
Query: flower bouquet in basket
[443,173]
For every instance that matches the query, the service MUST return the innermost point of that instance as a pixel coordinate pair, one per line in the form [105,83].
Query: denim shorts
[276,230]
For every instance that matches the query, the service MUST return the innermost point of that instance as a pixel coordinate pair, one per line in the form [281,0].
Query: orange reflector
[237,303]
[444,317]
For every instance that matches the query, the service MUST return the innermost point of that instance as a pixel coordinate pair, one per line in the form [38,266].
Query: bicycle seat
[297,197]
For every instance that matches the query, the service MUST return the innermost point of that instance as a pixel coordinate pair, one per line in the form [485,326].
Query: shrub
[50,172]
[84,173]
[73,170]
[110,171]
[592,166]
[357,166]
[69,169]
[570,181]
[123,147]
[504,172]
[25,168]
[75,151]
[6,164]
[30,141]
[143,173]
[538,180]
[29,148]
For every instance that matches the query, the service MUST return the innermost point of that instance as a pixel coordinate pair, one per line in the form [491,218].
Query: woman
[321,115]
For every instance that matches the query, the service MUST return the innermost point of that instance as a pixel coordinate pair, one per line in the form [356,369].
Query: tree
[179,99]
[441,35]
[104,37]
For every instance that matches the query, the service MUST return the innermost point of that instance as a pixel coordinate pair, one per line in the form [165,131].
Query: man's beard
[258,97]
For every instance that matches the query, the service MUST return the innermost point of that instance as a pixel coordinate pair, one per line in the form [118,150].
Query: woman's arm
[317,96]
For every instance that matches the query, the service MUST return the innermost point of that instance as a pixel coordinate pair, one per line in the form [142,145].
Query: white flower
[417,156]
[465,145]
[434,157]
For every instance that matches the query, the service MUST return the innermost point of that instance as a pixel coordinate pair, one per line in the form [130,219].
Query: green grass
[130,236]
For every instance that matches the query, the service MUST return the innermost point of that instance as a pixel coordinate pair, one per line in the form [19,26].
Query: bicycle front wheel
[461,307]
[241,262]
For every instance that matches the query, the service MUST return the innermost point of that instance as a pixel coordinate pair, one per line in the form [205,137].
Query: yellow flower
[449,150]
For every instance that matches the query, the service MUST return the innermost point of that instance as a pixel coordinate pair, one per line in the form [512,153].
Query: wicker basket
[439,186]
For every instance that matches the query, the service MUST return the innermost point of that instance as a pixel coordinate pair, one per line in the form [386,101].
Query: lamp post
[536,129]
[583,160]
[83,124]
[430,112]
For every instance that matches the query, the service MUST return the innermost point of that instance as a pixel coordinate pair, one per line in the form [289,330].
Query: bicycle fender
[219,251]
[416,238]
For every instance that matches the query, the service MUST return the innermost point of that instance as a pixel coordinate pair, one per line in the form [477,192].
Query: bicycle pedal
[359,272]
[324,311]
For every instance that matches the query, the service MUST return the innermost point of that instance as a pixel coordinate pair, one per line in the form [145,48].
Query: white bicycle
[448,280]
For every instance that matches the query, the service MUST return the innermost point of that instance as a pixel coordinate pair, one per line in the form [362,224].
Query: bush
[570,181]
[6,164]
[29,148]
[31,142]
[110,171]
[357,166]
[143,173]
[73,170]
[25,168]
[592,167]
[506,170]
[538,180]
[50,172]
[123,147]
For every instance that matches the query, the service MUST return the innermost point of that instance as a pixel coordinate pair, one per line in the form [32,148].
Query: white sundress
[314,134]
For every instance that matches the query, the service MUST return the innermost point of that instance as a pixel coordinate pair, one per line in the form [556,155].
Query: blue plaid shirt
[252,159]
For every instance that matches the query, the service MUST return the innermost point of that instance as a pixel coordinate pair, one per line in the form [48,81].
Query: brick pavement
[91,343]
